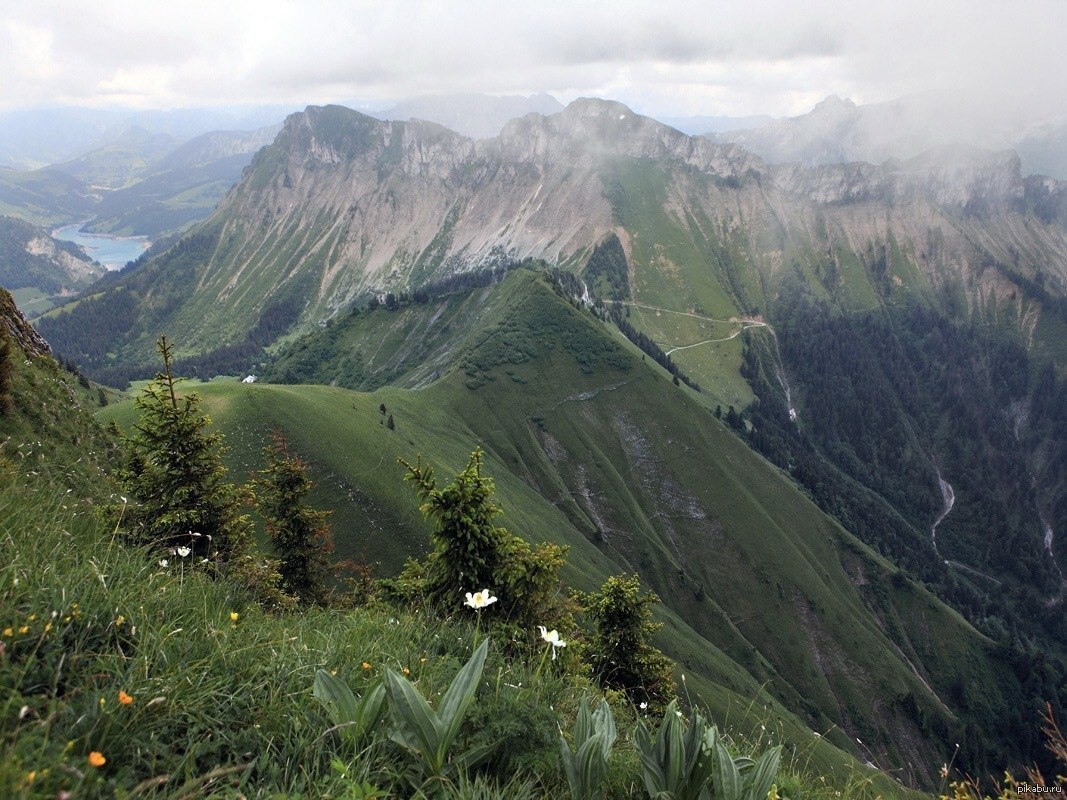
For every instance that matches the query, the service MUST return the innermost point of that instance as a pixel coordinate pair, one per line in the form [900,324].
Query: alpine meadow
[466,435]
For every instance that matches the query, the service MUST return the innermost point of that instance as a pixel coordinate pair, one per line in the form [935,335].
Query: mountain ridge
[357,206]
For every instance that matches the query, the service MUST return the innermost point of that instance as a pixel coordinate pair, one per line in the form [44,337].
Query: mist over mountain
[32,138]
[478,116]
[838,130]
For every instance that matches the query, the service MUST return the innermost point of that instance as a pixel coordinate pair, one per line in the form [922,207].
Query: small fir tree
[175,477]
[620,652]
[300,537]
[468,547]
[470,554]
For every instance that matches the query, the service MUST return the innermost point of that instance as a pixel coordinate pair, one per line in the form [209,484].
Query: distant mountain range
[358,205]
[839,131]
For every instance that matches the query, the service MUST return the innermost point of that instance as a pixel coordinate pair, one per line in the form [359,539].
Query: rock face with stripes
[342,205]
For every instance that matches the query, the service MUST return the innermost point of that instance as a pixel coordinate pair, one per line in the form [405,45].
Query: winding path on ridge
[733,335]
[746,323]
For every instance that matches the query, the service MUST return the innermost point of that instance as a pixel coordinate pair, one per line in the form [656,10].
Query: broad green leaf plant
[429,735]
[355,718]
[690,762]
[586,765]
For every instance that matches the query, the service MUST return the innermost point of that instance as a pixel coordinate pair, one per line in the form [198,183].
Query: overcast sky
[664,57]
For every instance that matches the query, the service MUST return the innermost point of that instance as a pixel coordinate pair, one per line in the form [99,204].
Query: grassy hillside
[181,687]
[592,446]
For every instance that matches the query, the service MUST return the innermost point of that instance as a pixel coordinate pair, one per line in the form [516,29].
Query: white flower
[184,551]
[479,600]
[552,637]
[163,562]
[643,706]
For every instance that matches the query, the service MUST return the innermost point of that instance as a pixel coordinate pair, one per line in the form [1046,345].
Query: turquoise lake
[114,252]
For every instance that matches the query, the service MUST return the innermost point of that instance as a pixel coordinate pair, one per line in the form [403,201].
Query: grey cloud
[670,56]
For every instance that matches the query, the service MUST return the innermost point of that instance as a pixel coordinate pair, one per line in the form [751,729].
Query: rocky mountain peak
[834,105]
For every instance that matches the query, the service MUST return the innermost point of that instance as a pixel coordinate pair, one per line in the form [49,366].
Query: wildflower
[124,698]
[163,562]
[479,600]
[407,671]
[120,620]
[47,627]
[944,770]
[552,637]
[8,632]
[24,629]
[31,776]
[233,616]
[96,759]
[643,705]
[184,551]
[366,665]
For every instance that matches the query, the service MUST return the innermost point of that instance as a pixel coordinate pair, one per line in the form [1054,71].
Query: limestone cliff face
[14,326]
[342,204]
[29,256]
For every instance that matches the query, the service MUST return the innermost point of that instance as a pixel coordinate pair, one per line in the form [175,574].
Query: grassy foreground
[186,691]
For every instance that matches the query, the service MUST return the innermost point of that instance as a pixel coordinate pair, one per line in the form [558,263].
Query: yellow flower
[366,665]
[31,776]
[24,629]
[120,620]
[31,617]
[124,698]
[47,627]
[407,671]
[233,616]
[102,701]
[96,759]
[8,632]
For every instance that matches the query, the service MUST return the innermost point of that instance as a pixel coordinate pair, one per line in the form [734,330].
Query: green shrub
[470,554]
[522,728]
[619,650]
[299,536]
[180,500]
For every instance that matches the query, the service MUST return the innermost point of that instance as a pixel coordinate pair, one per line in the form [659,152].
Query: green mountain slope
[593,446]
[342,206]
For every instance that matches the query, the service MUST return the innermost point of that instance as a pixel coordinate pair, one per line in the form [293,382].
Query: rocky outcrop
[30,257]
[342,205]
[15,327]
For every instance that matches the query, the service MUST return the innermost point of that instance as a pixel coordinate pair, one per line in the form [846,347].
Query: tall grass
[222,692]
